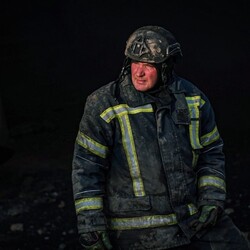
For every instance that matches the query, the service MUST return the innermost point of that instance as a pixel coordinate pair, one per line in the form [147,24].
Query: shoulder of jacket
[101,98]
[182,85]
[103,94]
[103,91]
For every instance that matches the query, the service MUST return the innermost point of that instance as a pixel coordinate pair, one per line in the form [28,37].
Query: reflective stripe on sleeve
[92,145]
[89,203]
[211,181]
[210,137]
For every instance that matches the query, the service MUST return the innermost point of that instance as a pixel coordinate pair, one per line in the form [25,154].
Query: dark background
[54,53]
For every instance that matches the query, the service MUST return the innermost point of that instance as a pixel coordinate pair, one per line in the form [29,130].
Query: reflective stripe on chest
[197,141]
[122,112]
[194,104]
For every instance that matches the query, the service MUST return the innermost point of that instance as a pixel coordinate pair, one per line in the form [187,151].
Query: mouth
[140,81]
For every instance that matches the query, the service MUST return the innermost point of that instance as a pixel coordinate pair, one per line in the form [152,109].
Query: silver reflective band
[210,137]
[194,103]
[142,222]
[130,151]
[92,145]
[212,181]
[123,109]
[122,112]
[88,204]
[147,221]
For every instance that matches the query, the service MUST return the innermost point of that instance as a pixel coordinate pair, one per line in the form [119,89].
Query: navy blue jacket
[147,161]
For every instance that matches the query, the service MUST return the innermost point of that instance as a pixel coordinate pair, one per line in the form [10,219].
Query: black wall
[54,53]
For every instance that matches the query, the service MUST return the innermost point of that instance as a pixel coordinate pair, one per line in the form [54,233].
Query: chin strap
[166,70]
[125,69]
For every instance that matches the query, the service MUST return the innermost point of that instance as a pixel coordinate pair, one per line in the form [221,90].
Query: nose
[140,70]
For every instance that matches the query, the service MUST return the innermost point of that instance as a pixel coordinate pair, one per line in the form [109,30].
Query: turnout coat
[143,164]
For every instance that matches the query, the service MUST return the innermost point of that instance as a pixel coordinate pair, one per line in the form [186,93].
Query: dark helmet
[152,44]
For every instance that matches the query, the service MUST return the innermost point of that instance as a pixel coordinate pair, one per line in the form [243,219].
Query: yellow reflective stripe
[147,221]
[92,145]
[121,112]
[202,102]
[192,209]
[124,109]
[195,158]
[210,137]
[195,100]
[88,204]
[129,147]
[194,103]
[211,181]
[142,222]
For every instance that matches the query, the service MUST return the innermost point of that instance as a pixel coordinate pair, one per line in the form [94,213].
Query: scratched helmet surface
[152,44]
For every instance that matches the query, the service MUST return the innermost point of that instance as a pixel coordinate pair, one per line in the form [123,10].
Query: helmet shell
[152,44]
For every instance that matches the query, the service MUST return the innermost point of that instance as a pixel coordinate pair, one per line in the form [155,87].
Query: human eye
[149,66]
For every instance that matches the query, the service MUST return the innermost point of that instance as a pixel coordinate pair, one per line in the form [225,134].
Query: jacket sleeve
[89,168]
[211,162]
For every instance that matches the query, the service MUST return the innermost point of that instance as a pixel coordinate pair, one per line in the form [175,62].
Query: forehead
[143,63]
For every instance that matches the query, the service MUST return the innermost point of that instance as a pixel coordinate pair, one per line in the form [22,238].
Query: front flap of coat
[180,114]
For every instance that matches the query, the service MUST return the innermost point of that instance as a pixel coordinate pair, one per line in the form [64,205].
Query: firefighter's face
[144,75]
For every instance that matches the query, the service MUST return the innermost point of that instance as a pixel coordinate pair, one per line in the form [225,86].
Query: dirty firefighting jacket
[139,163]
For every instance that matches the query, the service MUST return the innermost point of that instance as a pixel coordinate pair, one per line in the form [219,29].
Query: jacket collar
[176,85]
[131,96]
[136,98]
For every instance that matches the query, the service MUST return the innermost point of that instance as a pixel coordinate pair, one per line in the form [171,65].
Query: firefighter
[148,165]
